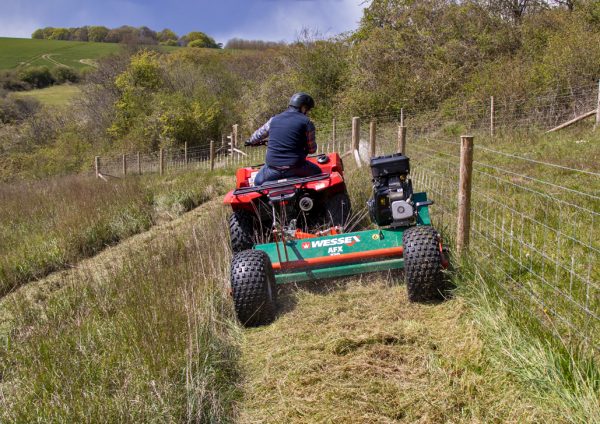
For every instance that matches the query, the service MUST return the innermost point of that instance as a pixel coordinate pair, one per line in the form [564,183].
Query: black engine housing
[391,203]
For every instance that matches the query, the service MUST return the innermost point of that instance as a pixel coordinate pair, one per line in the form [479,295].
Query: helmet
[302,99]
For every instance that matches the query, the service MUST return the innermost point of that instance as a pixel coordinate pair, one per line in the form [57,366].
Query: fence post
[402,134]
[185,154]
[492,115]
[161,162]
[333,132]
[464,194]
[355,132]
[223,140]
[234,138]
[97,166]
[598,108]
[124,164]
[212,155]
[372,138]
[139,164]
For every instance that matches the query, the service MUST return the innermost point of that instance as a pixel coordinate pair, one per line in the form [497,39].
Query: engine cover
[402,210]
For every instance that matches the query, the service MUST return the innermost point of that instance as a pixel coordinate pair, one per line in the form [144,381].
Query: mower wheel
[423,264]
[253,288]
[241,231]
[338,209]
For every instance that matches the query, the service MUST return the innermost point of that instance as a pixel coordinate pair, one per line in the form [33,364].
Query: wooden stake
[598,108]
[355,132]
[212,155]
[139,164]
[372,138]
[223,140]
[402,134]
[333,132]
[464,194]
[492,115]
[185,154]
[574,120]
[161,162]
[234,138]
[124,164]
[97,166]
[402,139]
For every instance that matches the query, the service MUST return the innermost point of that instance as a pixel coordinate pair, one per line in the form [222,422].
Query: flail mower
[279,234]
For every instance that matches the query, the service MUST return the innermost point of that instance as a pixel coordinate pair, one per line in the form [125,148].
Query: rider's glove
[247,143]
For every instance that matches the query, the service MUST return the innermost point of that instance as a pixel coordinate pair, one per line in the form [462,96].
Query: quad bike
[403,237]
[307,202]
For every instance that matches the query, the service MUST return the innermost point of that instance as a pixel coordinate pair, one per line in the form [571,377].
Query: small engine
[392,202]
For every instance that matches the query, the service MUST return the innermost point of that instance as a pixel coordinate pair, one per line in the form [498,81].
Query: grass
[150,338]
[52,224]
[19,52]
[146,332]
[58,95]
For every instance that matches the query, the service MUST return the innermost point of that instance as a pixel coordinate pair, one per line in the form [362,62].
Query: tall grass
[51,224]
[152,341]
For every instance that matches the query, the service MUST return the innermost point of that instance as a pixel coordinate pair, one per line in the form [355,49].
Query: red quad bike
[307,203]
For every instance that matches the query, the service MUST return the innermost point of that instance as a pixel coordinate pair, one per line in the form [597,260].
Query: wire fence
[534,223]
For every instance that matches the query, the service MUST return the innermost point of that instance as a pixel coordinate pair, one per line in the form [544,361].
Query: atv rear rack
[269,185]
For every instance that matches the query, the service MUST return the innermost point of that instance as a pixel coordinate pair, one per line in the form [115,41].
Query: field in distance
[56,95]
[20,52]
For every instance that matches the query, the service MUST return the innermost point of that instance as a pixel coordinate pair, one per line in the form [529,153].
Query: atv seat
[286,182]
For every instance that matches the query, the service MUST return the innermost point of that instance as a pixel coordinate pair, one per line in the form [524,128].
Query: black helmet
[302,99]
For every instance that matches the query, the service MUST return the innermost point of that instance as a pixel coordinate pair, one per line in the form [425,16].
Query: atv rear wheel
[338,209]
[241,231]
[253,288]
[423,264]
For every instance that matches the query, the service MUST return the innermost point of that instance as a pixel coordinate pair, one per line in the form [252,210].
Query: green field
[16,52]
[57,95]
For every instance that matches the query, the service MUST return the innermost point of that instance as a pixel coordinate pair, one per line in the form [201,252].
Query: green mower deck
[341,255]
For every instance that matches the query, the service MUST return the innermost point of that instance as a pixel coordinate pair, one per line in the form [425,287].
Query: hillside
[76,54]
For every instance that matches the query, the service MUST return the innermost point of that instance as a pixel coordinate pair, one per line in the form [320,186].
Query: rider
[291,136]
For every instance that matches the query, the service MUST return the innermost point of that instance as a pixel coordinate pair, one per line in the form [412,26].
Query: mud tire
[241,231]
[253,288]
[423,264]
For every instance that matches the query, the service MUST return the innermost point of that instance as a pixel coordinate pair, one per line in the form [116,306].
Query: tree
[166,35]
[38,34]
[60,34]
[80,34]
[200,39]
[97,33]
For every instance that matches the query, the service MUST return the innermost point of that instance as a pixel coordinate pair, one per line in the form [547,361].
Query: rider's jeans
[267,173]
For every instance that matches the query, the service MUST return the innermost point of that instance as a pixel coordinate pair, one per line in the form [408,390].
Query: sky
[274,20]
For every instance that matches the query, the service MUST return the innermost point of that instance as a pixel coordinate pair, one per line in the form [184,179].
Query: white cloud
[329,17]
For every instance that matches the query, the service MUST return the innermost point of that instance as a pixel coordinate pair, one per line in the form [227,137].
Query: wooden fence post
[598,108]
[464,194]
[185,154]
[161,162]
[212,155]
[124,164]
[402,134]
[333,133]
[234,138]
[372,138]
[139,164]
[355,132]
[223,140]
[356,140]
[492,116]
[97,166]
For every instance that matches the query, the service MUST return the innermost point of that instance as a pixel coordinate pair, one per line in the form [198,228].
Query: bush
[38,76]
[10,80]
[62,74]
[16,110]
